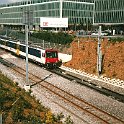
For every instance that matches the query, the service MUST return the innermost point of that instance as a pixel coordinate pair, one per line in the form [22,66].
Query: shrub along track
[82,110]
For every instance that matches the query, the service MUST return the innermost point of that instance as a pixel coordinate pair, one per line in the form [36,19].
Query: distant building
[77,11]
[109,12]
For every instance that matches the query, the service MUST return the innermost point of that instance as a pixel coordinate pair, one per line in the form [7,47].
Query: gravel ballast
[108,104]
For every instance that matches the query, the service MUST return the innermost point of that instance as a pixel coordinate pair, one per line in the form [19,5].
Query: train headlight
[54,64]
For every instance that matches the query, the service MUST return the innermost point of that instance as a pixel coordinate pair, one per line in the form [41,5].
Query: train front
[52,60]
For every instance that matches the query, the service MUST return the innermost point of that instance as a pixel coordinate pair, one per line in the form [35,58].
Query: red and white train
[46,57]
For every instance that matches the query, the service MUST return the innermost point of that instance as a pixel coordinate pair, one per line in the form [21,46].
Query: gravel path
[108,104]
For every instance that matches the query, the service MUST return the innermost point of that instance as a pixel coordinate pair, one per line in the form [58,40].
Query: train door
[43,56]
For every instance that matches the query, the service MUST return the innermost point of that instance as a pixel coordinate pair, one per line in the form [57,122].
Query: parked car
[96,34]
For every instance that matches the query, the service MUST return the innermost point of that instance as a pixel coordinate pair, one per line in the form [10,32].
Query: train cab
[51,58]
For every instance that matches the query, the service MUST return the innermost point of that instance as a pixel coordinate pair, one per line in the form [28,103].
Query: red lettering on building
[45,23]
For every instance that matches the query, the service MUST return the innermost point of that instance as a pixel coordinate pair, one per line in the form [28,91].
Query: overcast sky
[8,1]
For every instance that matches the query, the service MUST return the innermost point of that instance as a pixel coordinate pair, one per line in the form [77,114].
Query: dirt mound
[84,57]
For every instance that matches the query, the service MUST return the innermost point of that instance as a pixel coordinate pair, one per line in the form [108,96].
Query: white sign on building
[53,22]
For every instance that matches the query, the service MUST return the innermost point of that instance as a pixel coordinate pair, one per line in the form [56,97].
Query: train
[45,57]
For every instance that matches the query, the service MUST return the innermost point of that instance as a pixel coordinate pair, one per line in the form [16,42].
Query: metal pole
[43,44]
[78,42]
[94,11]
[99,52]
[1,118]
[6,32]
[60,8]
[87,26]
[28,21]
[26,42]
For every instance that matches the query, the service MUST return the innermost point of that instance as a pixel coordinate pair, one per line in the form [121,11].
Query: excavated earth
[84,57]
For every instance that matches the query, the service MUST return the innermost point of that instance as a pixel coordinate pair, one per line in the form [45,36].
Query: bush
[60,38]
[17,113]
[68,120]
[18,106]
[118,39]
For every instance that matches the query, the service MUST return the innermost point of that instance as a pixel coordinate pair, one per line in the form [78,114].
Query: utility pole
[28,20]
[99,53]
[26,42]
[26,23]
[1,118]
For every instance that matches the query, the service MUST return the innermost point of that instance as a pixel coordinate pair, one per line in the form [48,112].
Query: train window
[12,45]
[38,53]
[2,42]
[22,48]
[51,54]
[34,52]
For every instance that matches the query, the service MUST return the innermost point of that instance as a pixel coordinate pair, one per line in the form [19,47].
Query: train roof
[51,50]
[30,45]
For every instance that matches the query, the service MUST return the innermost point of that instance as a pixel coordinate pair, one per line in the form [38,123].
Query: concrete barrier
[64,57]
[115,85]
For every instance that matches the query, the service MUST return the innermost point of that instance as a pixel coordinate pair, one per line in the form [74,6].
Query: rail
[84,108]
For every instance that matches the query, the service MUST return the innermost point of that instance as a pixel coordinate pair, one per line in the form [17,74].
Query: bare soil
[84,57]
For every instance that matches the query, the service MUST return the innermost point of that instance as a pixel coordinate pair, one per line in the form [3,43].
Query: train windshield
[51,54]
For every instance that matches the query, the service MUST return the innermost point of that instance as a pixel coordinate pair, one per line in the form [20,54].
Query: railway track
[84,111]
[99,88]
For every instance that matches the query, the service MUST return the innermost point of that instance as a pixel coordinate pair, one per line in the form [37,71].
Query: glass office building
[109,12]
[77,11]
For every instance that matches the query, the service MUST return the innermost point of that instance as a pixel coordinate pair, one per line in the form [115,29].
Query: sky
[8,1]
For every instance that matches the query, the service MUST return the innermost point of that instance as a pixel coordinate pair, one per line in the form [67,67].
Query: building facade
[109,12]
[77,11]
